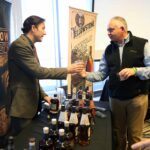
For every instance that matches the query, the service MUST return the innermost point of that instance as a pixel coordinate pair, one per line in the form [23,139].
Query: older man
[128,95]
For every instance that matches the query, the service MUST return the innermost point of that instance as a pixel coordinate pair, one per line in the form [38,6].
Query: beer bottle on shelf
[84,128]
[46,142]
[89,101]
[73,121]
[61,140]
[92,105]
[80,97]
[68,102]
[87,96]
[62,117]
[75,101]
[54,131]
[68,136]
[10,145]
[91,110]
[32,144]
[46,107]
[90,61]
[80,91]
[74,93]
[81,105]
[54,107]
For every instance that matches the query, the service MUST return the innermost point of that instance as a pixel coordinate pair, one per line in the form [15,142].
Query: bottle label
[73,118]
[53,107]
[63,116]
[74,91]
[85,120]
[84,95]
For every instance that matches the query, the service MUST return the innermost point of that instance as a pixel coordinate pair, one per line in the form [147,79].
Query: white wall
[136,13]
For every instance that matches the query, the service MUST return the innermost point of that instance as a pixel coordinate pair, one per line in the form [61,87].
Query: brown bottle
[54,107]
[80,97]
[90,62]
[68,136]
[84,128]
[46,142]
[87,96]
[32,144]
[68,103]
[61,144]
[73,123]
[54,131]
[62,117]
[74,93]
[11,145]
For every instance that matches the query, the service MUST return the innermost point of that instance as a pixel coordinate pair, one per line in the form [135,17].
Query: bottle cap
[55,95]
[45,130]
[69,96]
[11,138]
[61,132]
[54,121]
[32,141]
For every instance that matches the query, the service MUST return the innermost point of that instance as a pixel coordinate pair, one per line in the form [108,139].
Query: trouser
[128,120]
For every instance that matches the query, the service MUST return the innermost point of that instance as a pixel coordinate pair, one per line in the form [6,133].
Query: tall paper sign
[82,28]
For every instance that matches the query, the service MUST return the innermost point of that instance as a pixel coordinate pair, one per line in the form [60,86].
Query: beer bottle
[84,128]
[92,105]
[61,145]
[90,62]
[10,145]
[46,142]
[32,143]
[68,102]
[87,95]
[80,91]
[62,117]
[54,131]
[89,103]
[68,136]
[74,93]
[75,101]
[80,97]
[46,107]
[73,121]
[54,107]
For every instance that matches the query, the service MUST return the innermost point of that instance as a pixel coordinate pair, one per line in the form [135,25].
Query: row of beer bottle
[67,137]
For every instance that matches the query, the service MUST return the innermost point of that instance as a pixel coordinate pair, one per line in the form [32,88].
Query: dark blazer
[24,74]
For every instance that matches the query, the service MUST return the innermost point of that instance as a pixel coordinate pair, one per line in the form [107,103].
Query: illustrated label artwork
[82,26]
[4,44]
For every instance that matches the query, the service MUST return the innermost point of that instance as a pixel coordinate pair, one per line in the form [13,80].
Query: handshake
[78,69]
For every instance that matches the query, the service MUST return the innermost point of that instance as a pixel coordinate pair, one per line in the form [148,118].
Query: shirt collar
[126,40]
[31,43]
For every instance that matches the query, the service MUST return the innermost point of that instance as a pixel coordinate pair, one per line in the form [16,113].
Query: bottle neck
[54,127]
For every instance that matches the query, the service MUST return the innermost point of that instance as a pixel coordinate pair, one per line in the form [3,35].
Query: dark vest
[133,56]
